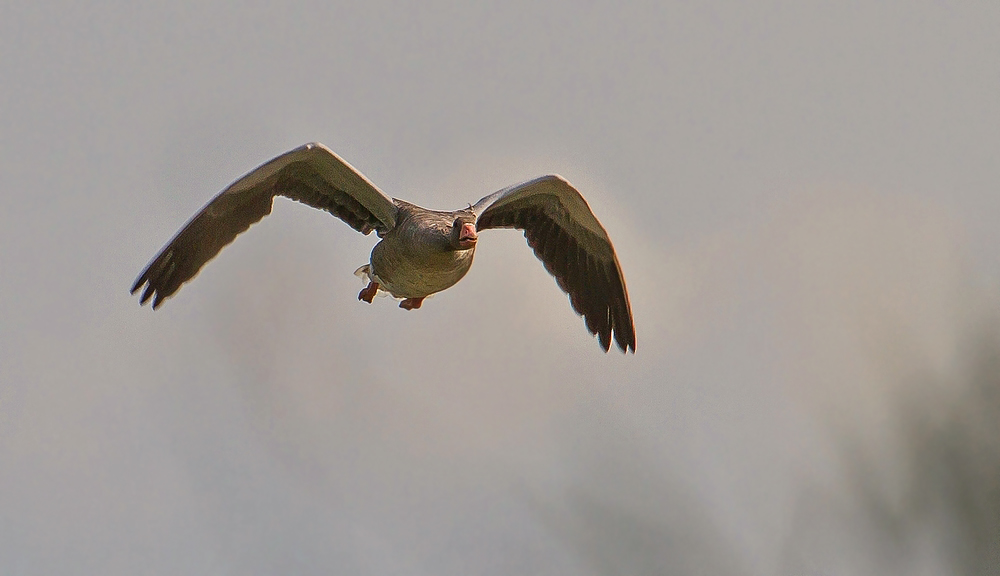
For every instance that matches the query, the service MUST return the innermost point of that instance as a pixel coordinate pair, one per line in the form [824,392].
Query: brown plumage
[421,251]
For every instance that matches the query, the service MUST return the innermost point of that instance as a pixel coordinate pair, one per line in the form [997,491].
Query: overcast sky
[803,196]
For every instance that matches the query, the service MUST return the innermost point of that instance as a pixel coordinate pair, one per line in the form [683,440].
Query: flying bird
[421,251]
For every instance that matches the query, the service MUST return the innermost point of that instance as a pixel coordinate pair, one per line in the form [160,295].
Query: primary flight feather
[421,251]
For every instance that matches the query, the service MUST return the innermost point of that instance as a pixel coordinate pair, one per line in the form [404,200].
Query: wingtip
[604,339]
[626,345]
[626,349]
[138,284]
[146,295]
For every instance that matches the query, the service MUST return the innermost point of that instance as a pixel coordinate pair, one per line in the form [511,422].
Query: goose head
[463,232]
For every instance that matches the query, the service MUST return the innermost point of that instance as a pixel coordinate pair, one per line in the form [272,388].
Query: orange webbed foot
[369,292]
[411,303]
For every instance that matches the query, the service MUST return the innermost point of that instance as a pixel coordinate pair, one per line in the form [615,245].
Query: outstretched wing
[311,174]
[574,247]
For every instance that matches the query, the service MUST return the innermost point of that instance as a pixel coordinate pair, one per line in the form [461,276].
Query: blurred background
[803,196]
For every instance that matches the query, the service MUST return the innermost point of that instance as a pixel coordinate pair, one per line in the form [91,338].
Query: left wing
[575,248]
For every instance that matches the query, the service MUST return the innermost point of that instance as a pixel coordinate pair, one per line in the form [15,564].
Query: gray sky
[804,200]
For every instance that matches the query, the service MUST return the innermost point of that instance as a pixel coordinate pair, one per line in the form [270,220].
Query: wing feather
[565,235]
[311,174]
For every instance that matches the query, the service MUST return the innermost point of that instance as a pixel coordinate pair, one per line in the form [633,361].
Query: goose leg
[411,303]
[369,292]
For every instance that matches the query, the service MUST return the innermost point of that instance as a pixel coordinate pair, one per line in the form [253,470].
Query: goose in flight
[421,251]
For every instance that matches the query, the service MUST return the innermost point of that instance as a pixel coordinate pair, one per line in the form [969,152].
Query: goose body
[421,251]
[416,259]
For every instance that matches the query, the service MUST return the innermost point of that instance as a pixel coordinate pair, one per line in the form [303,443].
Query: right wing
[311,174]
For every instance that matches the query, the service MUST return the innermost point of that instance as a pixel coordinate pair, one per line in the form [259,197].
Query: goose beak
[467,237]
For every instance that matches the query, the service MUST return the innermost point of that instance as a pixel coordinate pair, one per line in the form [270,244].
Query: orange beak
[467,237]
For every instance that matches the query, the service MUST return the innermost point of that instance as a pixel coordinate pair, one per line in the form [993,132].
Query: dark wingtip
[625,342]
[604,339]
[625,348]
[146,294]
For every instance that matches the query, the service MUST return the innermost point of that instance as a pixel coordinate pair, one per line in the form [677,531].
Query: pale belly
[416,276]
